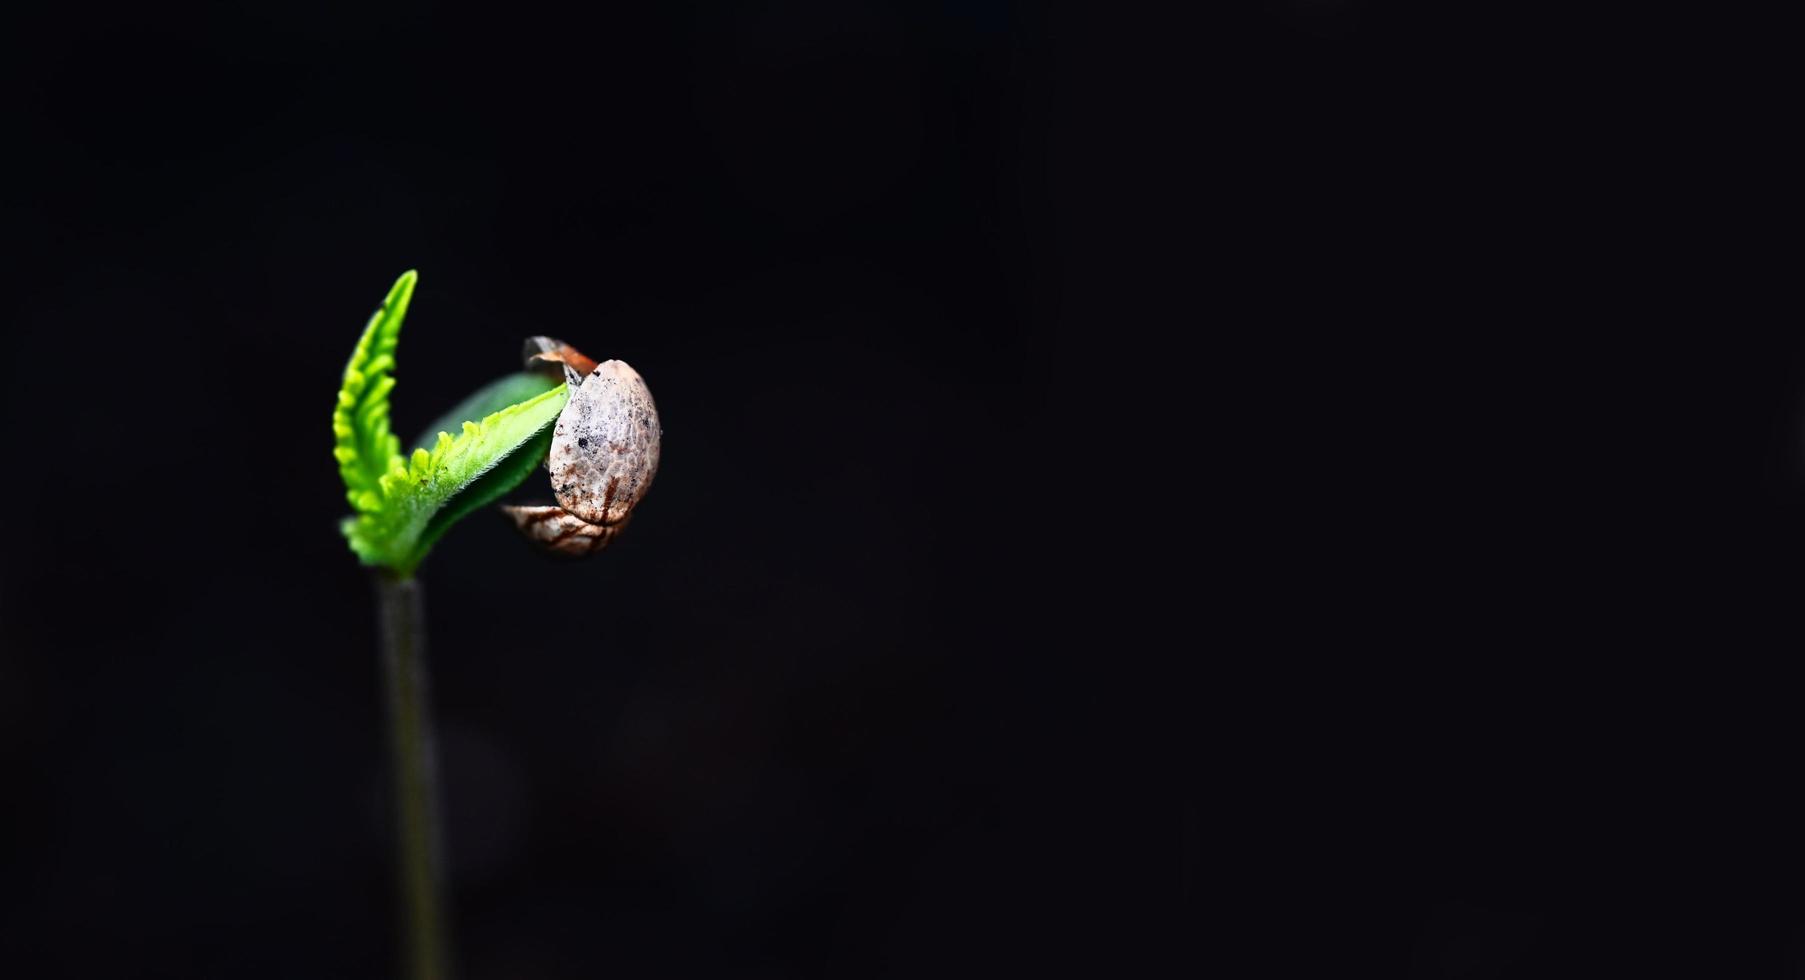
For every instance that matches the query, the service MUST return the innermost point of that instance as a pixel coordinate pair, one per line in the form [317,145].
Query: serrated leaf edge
[363,444]
[392,515]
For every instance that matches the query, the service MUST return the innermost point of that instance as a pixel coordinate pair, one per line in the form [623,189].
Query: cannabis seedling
[596,428]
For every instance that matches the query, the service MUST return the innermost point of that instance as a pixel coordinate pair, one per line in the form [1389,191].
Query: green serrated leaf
[404,504]
[507,474]
[362,443]
[507,390]
[415,494]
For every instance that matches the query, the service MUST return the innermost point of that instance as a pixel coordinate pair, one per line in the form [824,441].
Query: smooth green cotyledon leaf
[403,505]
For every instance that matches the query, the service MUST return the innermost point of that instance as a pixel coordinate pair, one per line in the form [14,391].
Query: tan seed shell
[605,445]
[562,533]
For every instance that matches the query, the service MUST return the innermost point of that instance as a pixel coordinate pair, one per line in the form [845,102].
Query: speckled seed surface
[605,446]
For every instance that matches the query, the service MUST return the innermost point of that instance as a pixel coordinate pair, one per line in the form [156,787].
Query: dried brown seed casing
[603,456]
[605,444]
[562,533]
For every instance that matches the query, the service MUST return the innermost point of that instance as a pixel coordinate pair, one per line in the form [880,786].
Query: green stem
[413,767]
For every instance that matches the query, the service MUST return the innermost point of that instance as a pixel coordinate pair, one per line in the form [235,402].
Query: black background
[1133,493]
